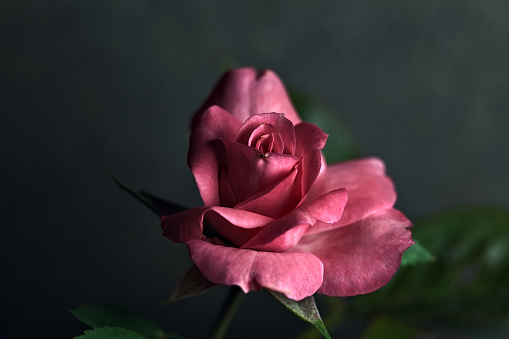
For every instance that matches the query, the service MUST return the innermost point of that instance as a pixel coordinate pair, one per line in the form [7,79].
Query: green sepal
[305,309]
[193,283]
[157,205]
[416,254]
[101,315]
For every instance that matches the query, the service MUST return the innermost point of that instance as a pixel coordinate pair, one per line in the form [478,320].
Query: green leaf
[340,144]
[304,309]
[157,205]
[333,318]
[469,277]
[100,315]
[192,283]
[416,254]
[383,327]
[110,332]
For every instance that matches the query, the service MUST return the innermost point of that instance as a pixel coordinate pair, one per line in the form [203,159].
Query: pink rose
[281,218]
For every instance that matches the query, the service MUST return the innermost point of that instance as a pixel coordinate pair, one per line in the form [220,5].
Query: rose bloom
[275,215]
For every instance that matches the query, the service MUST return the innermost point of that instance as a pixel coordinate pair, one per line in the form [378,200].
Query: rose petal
[282,242]
[285,232]
[309,170]
[328,207]
[296,274]
[243,93]
[237,226]
[184,226]
[282,125]
[361,257]
[369,189]
[248,172]
[310,139]
[205,148]
[226,195]
[275,201]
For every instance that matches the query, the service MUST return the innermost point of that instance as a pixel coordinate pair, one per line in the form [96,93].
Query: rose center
[265,143]
[266,139]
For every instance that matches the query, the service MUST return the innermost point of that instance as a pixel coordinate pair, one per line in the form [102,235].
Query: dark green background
[93,86]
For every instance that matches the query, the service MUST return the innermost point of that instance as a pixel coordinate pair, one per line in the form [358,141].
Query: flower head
[281,218]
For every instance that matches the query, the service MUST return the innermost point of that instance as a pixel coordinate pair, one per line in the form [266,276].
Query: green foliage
[110,332]
[333,316]
[304,309]
[383,327]
[470,272]
[416,254]
[467,284]
[110,321]
[157,205]
[193,283]
[340,145]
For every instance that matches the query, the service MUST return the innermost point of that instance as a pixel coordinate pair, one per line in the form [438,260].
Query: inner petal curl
[266,138]
[268,123]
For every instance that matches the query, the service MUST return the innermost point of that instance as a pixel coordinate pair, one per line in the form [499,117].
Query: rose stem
[225,317]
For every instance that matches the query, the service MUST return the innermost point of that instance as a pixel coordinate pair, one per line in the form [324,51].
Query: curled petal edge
[295,274]
[187,225]
[285,232]
[361,257]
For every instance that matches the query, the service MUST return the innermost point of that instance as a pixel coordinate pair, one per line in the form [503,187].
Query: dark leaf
[304,309]
[192,283]
[157,205]
[100,315]
[110,332]
[333,318]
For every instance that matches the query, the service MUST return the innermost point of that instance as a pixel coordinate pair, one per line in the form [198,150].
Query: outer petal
[361,257]
[285,232]
[296,274]
[184,226]
[237,226]
[243,93]
[369,189]
[205,150]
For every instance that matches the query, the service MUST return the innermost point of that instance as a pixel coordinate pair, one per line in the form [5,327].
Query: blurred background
[93,86]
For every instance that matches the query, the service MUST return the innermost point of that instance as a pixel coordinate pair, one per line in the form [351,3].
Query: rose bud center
[266,139]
